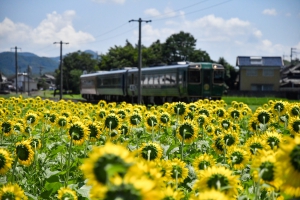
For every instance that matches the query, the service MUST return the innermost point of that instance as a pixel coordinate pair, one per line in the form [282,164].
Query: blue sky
[223,28]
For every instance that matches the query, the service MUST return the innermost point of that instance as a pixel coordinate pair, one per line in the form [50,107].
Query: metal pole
[140,65]
[61,72]
[16,60]
[140,59]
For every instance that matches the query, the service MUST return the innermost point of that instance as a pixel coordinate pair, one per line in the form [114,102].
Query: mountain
[38,64]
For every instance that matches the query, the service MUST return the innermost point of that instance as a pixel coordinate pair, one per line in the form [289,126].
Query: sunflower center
[93,131]
[62,122]
[152,121]
[76,132]
[103,165]
[111,122]
[229,139]
[8,196]
[218,143]
[22,152]
[295,157]
[2,161]
[254,147]
[279,107]
[268,173]
[164,119]
[6,127]
[217,181]
[235,114]
[296,126]
[135,119]
[237,157]
[253,125]
[273,141]
[186,130]
[203,165]
[176,170]
[123,192]
[263,117]
[295,111]
[153,152]
[220,113]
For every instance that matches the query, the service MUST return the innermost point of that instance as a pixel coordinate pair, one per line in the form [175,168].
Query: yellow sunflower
[7,127]
[66,193]
[237,157]
[256,143]
[35,143]
[170,193]
[150,151]
[31,118]
[135,119]
[210,194]
[98,168]
[24,152]
[178,109]
[273,139]
[263,166]
[78,132]
[164,119]
[294,109]
[218,178]
[165,168]
[187,131]
[5,161]
[151,122]
[179,171]
[94,130]
[132,186]
[288,168]
[203,161]
[62,121]
[112,121]
[294,126]
[12,191]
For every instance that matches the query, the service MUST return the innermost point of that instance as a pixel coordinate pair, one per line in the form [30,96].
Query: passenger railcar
[183,82]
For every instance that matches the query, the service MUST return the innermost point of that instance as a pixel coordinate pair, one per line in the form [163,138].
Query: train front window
[218,76]
[194,76]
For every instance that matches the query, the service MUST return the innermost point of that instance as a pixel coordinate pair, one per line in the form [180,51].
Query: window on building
[251,72]
[262,87]
[268,72]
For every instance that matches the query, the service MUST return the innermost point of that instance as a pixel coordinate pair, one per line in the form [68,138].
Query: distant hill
[48,64]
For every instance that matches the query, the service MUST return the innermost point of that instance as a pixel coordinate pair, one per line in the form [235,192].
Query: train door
[194,81]
[206,83]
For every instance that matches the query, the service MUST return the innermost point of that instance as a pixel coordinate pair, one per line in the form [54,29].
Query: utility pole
[16,62]
[60,68]
[293,50]
[28,72]
[140,58]
[41,68]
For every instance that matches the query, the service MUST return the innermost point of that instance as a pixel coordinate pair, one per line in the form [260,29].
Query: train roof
[156,68]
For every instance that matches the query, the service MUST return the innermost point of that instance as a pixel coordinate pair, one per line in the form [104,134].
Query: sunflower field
[175,151]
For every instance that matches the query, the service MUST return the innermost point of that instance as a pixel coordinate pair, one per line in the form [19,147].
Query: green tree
[119,57]
[230,74]
[199,56]
[178,47]
[74,64]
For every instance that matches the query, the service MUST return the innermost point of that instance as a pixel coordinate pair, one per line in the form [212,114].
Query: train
[185,82]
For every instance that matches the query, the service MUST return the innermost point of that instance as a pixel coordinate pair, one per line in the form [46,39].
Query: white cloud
[269,12]
[152,12]
[106,1]
[56,27]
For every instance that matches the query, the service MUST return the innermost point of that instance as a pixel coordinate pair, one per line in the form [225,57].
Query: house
[24,82]
[259,74]
[290,81]
[49,80]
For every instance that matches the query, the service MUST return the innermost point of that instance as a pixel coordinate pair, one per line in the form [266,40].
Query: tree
[178,47]
[73,66]
[119,57]
[199,56]
[230,74]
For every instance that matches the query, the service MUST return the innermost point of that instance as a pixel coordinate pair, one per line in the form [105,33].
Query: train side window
[218,76]
[150,80]
[156,79]
[172,79]
[194,76]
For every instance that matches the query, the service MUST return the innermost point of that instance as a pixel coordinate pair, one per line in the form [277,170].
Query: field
[235,148]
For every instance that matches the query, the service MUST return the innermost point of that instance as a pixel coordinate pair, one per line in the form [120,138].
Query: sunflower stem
[14,168]
[176,178]
[68,161]
[182,144]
